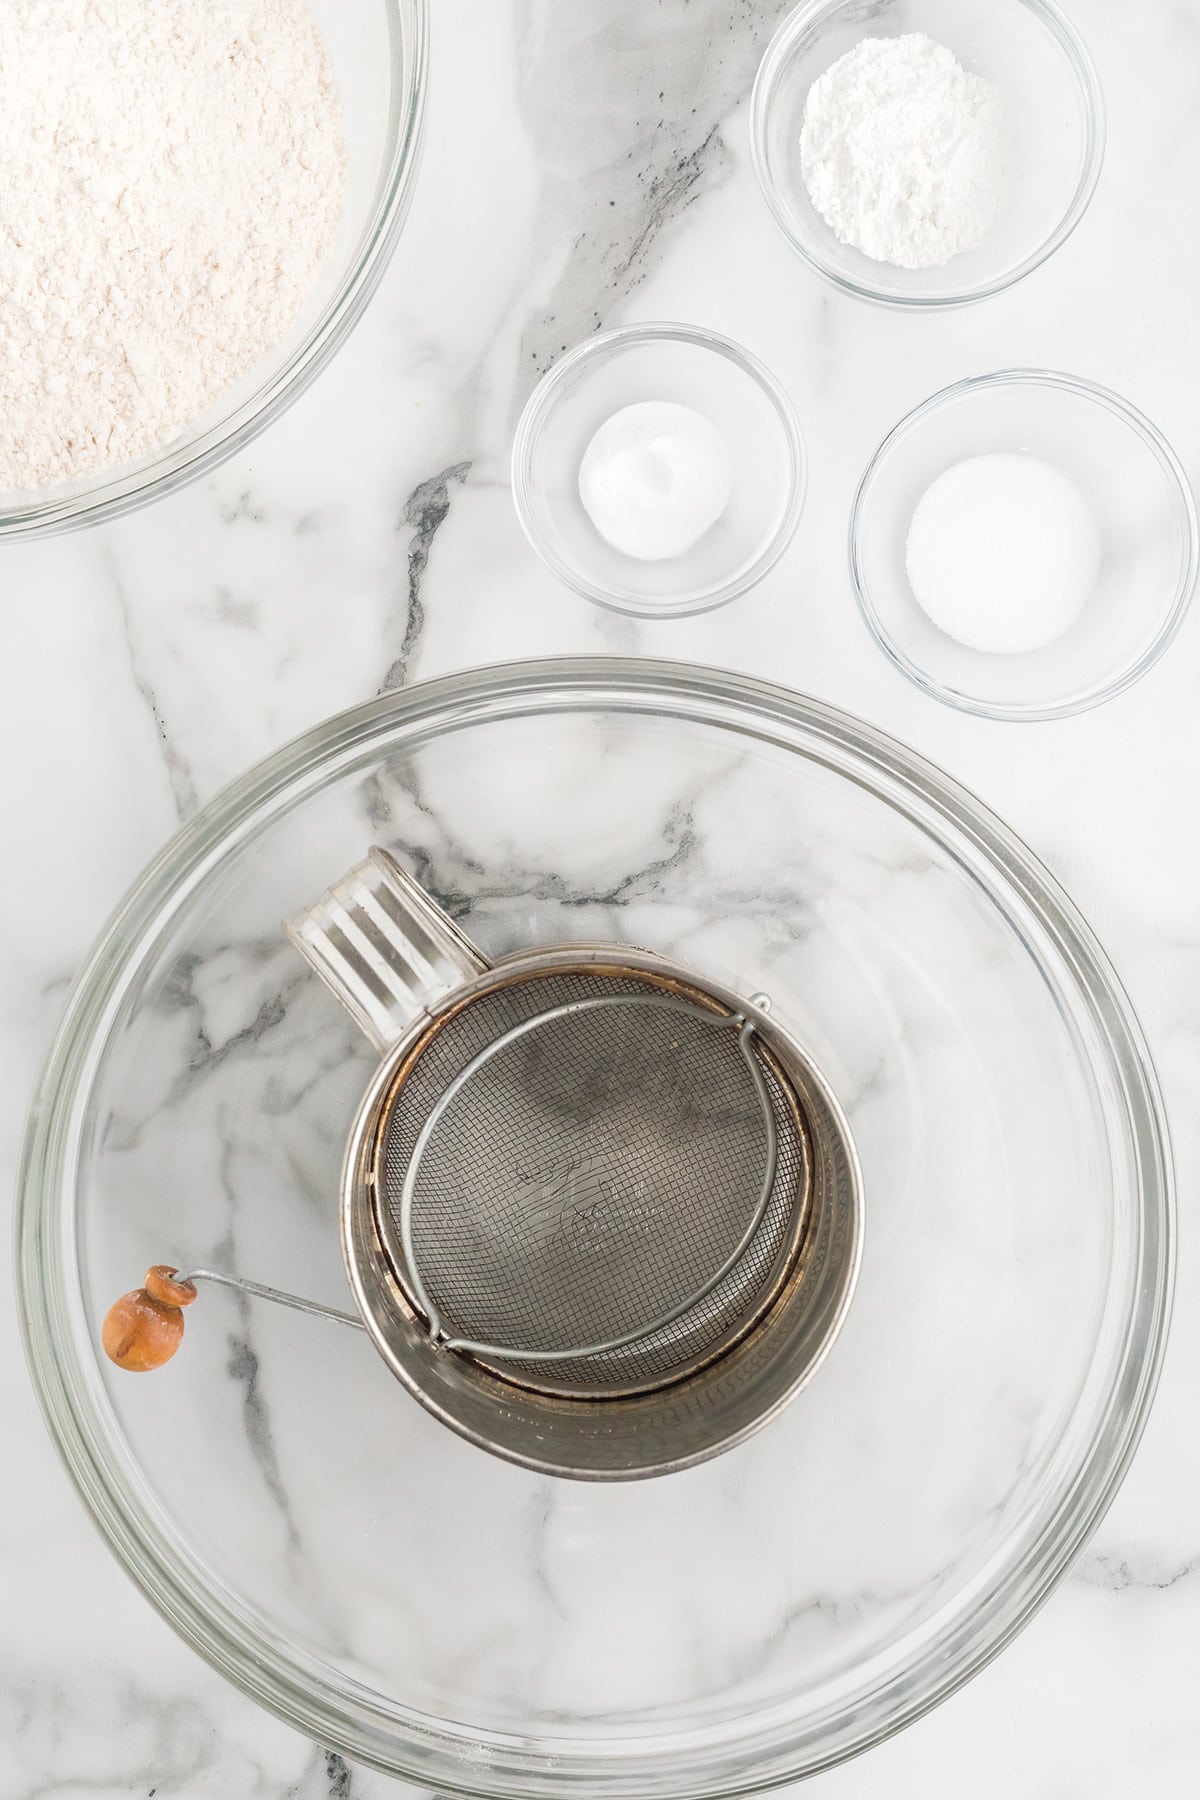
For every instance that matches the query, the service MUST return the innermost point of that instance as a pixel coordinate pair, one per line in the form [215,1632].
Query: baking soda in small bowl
[1003,552]
[655,478]
[658,469]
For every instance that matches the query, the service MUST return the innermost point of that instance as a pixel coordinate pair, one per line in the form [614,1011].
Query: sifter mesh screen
[589,1177]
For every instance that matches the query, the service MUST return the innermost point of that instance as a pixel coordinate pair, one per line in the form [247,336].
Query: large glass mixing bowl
[378,52]
[402,1595]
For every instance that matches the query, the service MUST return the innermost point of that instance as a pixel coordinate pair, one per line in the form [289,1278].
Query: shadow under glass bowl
[378,51]
[1137,490]
[1052,99]
[418,1604]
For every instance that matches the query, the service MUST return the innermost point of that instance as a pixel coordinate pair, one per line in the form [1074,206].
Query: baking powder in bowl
[655,478]
[173,177]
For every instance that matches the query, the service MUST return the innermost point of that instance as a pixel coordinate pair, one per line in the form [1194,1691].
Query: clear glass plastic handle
[384,947]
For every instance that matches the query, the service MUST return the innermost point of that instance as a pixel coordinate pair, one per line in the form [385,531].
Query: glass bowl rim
[1087,79]
[126,491]
[540,403]
[1173,616]
[720,1761]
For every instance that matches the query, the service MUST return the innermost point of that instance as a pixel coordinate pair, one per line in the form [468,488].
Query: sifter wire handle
[144,1328]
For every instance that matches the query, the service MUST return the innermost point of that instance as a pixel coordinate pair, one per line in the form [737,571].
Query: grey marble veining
[583,166]
[628,125]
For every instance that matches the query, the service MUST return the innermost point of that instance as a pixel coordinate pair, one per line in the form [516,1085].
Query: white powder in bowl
[1003,552]
[655,478]
[904,153]
[173,177]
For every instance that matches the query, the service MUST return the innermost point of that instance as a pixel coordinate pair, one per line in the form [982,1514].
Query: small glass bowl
[691,367]
[1142,501]
[1055,110]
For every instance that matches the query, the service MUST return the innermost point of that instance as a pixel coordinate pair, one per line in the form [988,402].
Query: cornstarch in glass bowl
[904,153]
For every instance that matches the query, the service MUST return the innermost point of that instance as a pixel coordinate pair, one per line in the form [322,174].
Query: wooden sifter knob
[143,1329]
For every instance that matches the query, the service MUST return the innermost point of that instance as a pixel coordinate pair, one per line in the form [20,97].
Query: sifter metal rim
[717,1019]
[371,1246]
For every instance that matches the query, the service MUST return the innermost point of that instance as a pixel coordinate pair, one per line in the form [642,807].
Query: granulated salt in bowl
[1023,545]
[198,202]
[1003,552]
[851,117]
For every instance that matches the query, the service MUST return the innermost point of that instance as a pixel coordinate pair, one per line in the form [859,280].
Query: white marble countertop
[583,170]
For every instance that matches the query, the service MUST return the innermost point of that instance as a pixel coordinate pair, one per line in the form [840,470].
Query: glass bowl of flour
[201,202]
[1024,545]
[851,113]
[659,469]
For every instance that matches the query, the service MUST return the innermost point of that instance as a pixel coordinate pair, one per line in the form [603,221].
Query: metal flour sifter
[599,1215]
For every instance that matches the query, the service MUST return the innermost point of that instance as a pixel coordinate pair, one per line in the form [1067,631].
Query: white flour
[173,175]
[904,153]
